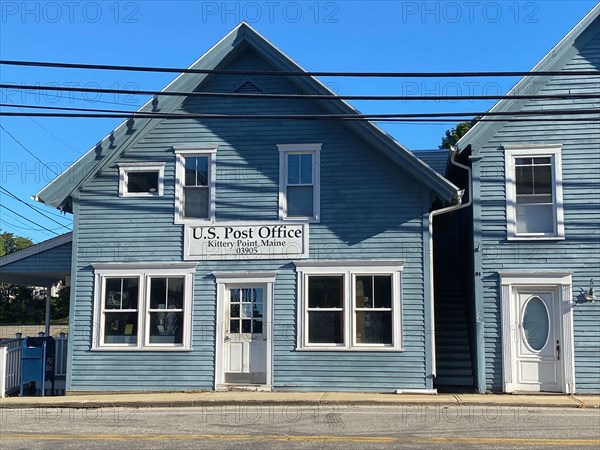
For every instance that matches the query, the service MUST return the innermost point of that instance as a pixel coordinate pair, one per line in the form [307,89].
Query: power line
[27,150]
[46,129]
[2,221]
[63,65]
[447,116]
[564,96]
[28,220]
[31,207]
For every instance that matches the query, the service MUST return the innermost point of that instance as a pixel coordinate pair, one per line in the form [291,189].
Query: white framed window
[299,182]
[141,179]
[534,200]
[350,306]
[195,193]
[143,307]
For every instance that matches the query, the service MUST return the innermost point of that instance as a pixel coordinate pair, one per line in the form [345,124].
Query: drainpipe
[432,214]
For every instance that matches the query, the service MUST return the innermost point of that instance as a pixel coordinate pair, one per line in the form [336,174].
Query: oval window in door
[536,324]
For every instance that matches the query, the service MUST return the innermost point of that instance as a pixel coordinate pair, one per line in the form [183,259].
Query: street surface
[300,427]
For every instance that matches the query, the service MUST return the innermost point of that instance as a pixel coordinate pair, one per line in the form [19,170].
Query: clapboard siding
[579,253]
[371,209]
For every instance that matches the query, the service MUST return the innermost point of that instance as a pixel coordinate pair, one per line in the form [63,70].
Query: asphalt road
[300,427]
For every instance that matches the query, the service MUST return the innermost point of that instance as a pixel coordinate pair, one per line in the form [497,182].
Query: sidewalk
[146,400]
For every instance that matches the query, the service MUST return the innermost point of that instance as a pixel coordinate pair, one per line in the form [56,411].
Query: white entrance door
[537,345]
[245,336]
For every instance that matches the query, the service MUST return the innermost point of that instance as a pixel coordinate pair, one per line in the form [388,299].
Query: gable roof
[59,191]
[553,61]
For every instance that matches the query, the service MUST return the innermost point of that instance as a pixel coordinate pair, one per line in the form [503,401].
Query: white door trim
[509,282]
[223,279]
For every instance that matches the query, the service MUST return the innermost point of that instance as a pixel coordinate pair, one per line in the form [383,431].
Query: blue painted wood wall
[371,209]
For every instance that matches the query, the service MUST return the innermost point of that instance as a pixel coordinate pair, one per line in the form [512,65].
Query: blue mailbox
[37,362]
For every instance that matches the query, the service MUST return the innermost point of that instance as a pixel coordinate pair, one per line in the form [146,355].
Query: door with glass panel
[537,343]
[245,339]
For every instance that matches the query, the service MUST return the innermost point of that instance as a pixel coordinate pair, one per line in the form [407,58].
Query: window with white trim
[142,307]
[141,179]
[534,207]
[355,307]
[299,181]
[195,184]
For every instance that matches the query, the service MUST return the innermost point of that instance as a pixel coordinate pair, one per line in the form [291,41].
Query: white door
[245,336]
[537,345]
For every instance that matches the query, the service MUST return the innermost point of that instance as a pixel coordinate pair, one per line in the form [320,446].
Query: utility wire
[27,150]
[297,73]
[2,221]
[564,96]
[28,220]
[31,207]
[447,116]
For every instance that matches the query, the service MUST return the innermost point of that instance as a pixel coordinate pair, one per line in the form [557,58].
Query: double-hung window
[195,184]
[141,179]
[352,307]
[534,206]
[299,182]
[143,307]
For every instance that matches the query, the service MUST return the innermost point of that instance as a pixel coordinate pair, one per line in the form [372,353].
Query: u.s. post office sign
[246,242]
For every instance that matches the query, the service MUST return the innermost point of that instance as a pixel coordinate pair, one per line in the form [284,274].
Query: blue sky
[319,35]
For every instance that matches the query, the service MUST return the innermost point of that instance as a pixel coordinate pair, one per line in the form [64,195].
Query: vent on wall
[248,88]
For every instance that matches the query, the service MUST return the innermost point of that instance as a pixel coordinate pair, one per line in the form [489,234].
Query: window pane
[306,166]
[195,202]
[166,328]
[120,328]
[373,327]
[234,326]
[524,180]
[531,199]
[142,182]
[535,218]
[175,293]
[542,177]
[364,292]
[544,160]
[522,161]
[196,170]
[293,169]
[246,326]
[190,171]
[257,326]
[325,292]
[121,293]
[158,293]
[383,291]
[234,310]
[300,201]
[325,327]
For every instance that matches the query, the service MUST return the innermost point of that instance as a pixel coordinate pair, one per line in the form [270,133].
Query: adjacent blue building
[528,246]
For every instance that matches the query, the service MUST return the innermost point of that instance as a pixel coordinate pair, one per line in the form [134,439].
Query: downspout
[432,214]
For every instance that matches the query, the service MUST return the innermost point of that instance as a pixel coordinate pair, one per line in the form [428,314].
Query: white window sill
[141,349]
[349,349]
[139,194]
[300,219]
[535,238]
[202,222]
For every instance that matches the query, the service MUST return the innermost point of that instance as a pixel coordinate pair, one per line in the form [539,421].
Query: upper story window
[141,179]
[534,206]
[349,307]
[299,181]
[195,184]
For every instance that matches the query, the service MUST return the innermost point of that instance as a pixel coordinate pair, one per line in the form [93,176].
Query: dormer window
[141,179]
